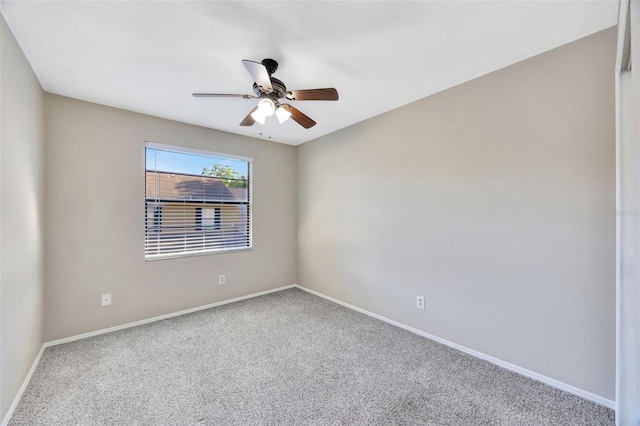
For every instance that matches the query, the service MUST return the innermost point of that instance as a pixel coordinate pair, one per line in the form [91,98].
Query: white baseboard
[162,317]
[504,364]
[16,400]
[45,345]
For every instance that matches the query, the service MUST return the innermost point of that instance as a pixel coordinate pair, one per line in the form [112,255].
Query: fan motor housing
[279,89]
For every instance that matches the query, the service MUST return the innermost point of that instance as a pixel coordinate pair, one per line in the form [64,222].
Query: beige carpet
[287,358]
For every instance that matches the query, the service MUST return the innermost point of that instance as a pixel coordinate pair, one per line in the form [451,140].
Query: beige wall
[95,220]
[490,200]
[21,217]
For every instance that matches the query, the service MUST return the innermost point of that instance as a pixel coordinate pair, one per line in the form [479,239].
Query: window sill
[152,258]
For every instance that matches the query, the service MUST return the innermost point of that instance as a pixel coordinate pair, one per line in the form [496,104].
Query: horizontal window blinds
[195,203]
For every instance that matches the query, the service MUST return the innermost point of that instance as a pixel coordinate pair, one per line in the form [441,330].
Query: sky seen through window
[188,163]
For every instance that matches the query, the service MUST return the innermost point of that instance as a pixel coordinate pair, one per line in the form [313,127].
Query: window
[211,218]
[196,202]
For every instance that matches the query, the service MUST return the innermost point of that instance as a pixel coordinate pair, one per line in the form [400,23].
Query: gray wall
[95,220]
[21,217]
[490,200]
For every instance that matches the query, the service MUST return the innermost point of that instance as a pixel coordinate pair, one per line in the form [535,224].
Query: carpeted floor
[283,359]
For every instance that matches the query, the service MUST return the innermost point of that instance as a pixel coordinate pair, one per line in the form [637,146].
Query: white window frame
[189,150]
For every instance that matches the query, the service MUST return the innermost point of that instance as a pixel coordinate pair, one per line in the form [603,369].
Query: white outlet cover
[221,279]
[106,299]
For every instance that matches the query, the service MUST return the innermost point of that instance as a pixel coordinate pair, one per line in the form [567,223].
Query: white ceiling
[149,57]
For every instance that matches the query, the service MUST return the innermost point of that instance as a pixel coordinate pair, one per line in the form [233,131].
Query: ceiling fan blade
[328,94]
[259,74]
[222,95]
[299,117]
[248,120]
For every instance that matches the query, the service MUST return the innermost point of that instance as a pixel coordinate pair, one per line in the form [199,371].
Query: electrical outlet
[221,279]
[420,302]
[106,299]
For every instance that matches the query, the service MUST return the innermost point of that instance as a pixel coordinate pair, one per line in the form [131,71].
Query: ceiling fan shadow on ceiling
[269,90]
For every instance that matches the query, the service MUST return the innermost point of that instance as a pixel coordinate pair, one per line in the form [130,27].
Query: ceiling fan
[270,90]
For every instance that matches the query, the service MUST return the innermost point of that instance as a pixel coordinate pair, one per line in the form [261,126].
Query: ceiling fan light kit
[282,114]
[270,90]
[257,118]
[266,108]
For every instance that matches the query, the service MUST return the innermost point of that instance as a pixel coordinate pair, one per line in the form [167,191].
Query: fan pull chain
[262,126]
